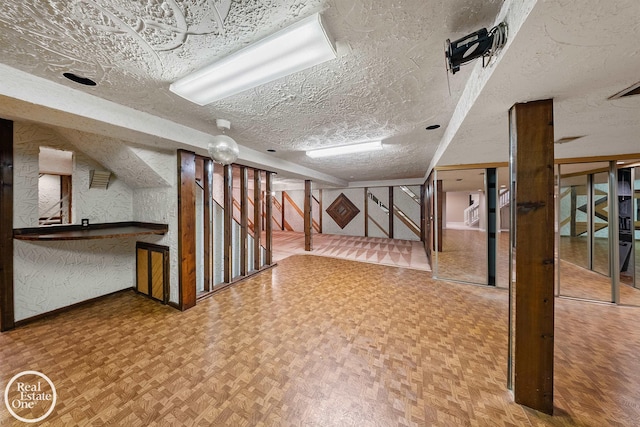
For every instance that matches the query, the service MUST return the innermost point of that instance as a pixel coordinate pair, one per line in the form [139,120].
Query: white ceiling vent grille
[630,91]
[99,179]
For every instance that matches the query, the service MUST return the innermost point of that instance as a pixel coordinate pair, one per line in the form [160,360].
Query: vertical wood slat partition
[320,210]
[186,229]
[422,212]
[257,218]
[228,222]
[282,209]
[269,223]
[439,211]
[244,220]
[366,211]
[531,145]
[308,224]
[7,320]
[391,212]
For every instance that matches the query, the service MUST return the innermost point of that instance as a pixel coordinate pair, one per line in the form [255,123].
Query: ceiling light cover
[222,148]
[345,149]
[295,48]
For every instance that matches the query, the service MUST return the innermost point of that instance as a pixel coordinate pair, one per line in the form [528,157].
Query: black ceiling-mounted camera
[481,43]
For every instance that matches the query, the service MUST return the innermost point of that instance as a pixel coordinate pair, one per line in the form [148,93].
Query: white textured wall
[456,202]
[411,208]
[356,226]
[295,220]
[48,195]
[51,275]
[377,214]
[160,205]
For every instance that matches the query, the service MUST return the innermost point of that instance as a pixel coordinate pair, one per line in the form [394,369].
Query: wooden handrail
[379,226]
[406,220]
[300,212]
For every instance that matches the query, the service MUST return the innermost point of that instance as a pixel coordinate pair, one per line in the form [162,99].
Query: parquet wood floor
[319,341]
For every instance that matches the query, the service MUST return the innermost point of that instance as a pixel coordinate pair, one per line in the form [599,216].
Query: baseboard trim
[61,310]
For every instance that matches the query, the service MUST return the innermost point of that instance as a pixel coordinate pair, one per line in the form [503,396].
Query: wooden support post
[269,225]
[531,146]
[422,213]
[187,229]
[282,195]
[308,224]
[572,212]
[244,221]
[439,213]
[366,212]
[391,214]
[257,219]
[228,223]
[7,318]
[320,210]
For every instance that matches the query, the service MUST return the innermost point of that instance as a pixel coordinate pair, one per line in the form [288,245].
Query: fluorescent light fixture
[292,49]
[345,149]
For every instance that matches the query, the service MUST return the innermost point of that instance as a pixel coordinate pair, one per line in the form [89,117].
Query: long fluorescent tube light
[345,149]
[292,49]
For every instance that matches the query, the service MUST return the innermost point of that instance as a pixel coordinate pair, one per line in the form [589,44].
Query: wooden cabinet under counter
[152,271]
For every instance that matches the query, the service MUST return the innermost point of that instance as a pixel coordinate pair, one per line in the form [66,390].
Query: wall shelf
[105,230]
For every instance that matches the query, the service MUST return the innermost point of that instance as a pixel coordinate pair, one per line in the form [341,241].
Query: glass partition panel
[218,244]
[629,231]
[464,238]
[504,219]
[200,238]
[218,223]
[583,228]
[601,223]
[235,250]
[251,209]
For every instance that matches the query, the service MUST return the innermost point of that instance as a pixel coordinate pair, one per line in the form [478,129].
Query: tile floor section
[395,252]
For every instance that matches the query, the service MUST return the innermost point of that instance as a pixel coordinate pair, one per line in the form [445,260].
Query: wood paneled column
[244,221]
[308,209]
[7,320]
[439,220]
[187,229]
[268,238]
[257,218]
[532,175]
[391,214]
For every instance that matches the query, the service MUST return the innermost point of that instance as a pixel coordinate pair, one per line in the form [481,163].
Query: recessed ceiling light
[620,162]
[503,186]
[271,150]
[78,79]
[433,127]
[345,149]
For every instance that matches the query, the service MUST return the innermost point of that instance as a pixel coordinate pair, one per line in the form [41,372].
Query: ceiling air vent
[567,139]
[630,91]
[99,179]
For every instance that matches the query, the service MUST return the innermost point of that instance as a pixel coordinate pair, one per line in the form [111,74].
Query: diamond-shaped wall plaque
[342,210]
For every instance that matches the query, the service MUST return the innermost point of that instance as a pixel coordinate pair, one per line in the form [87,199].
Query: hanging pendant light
[222,148]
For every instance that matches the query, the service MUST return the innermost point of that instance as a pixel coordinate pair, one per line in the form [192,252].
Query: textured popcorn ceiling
[388,82]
